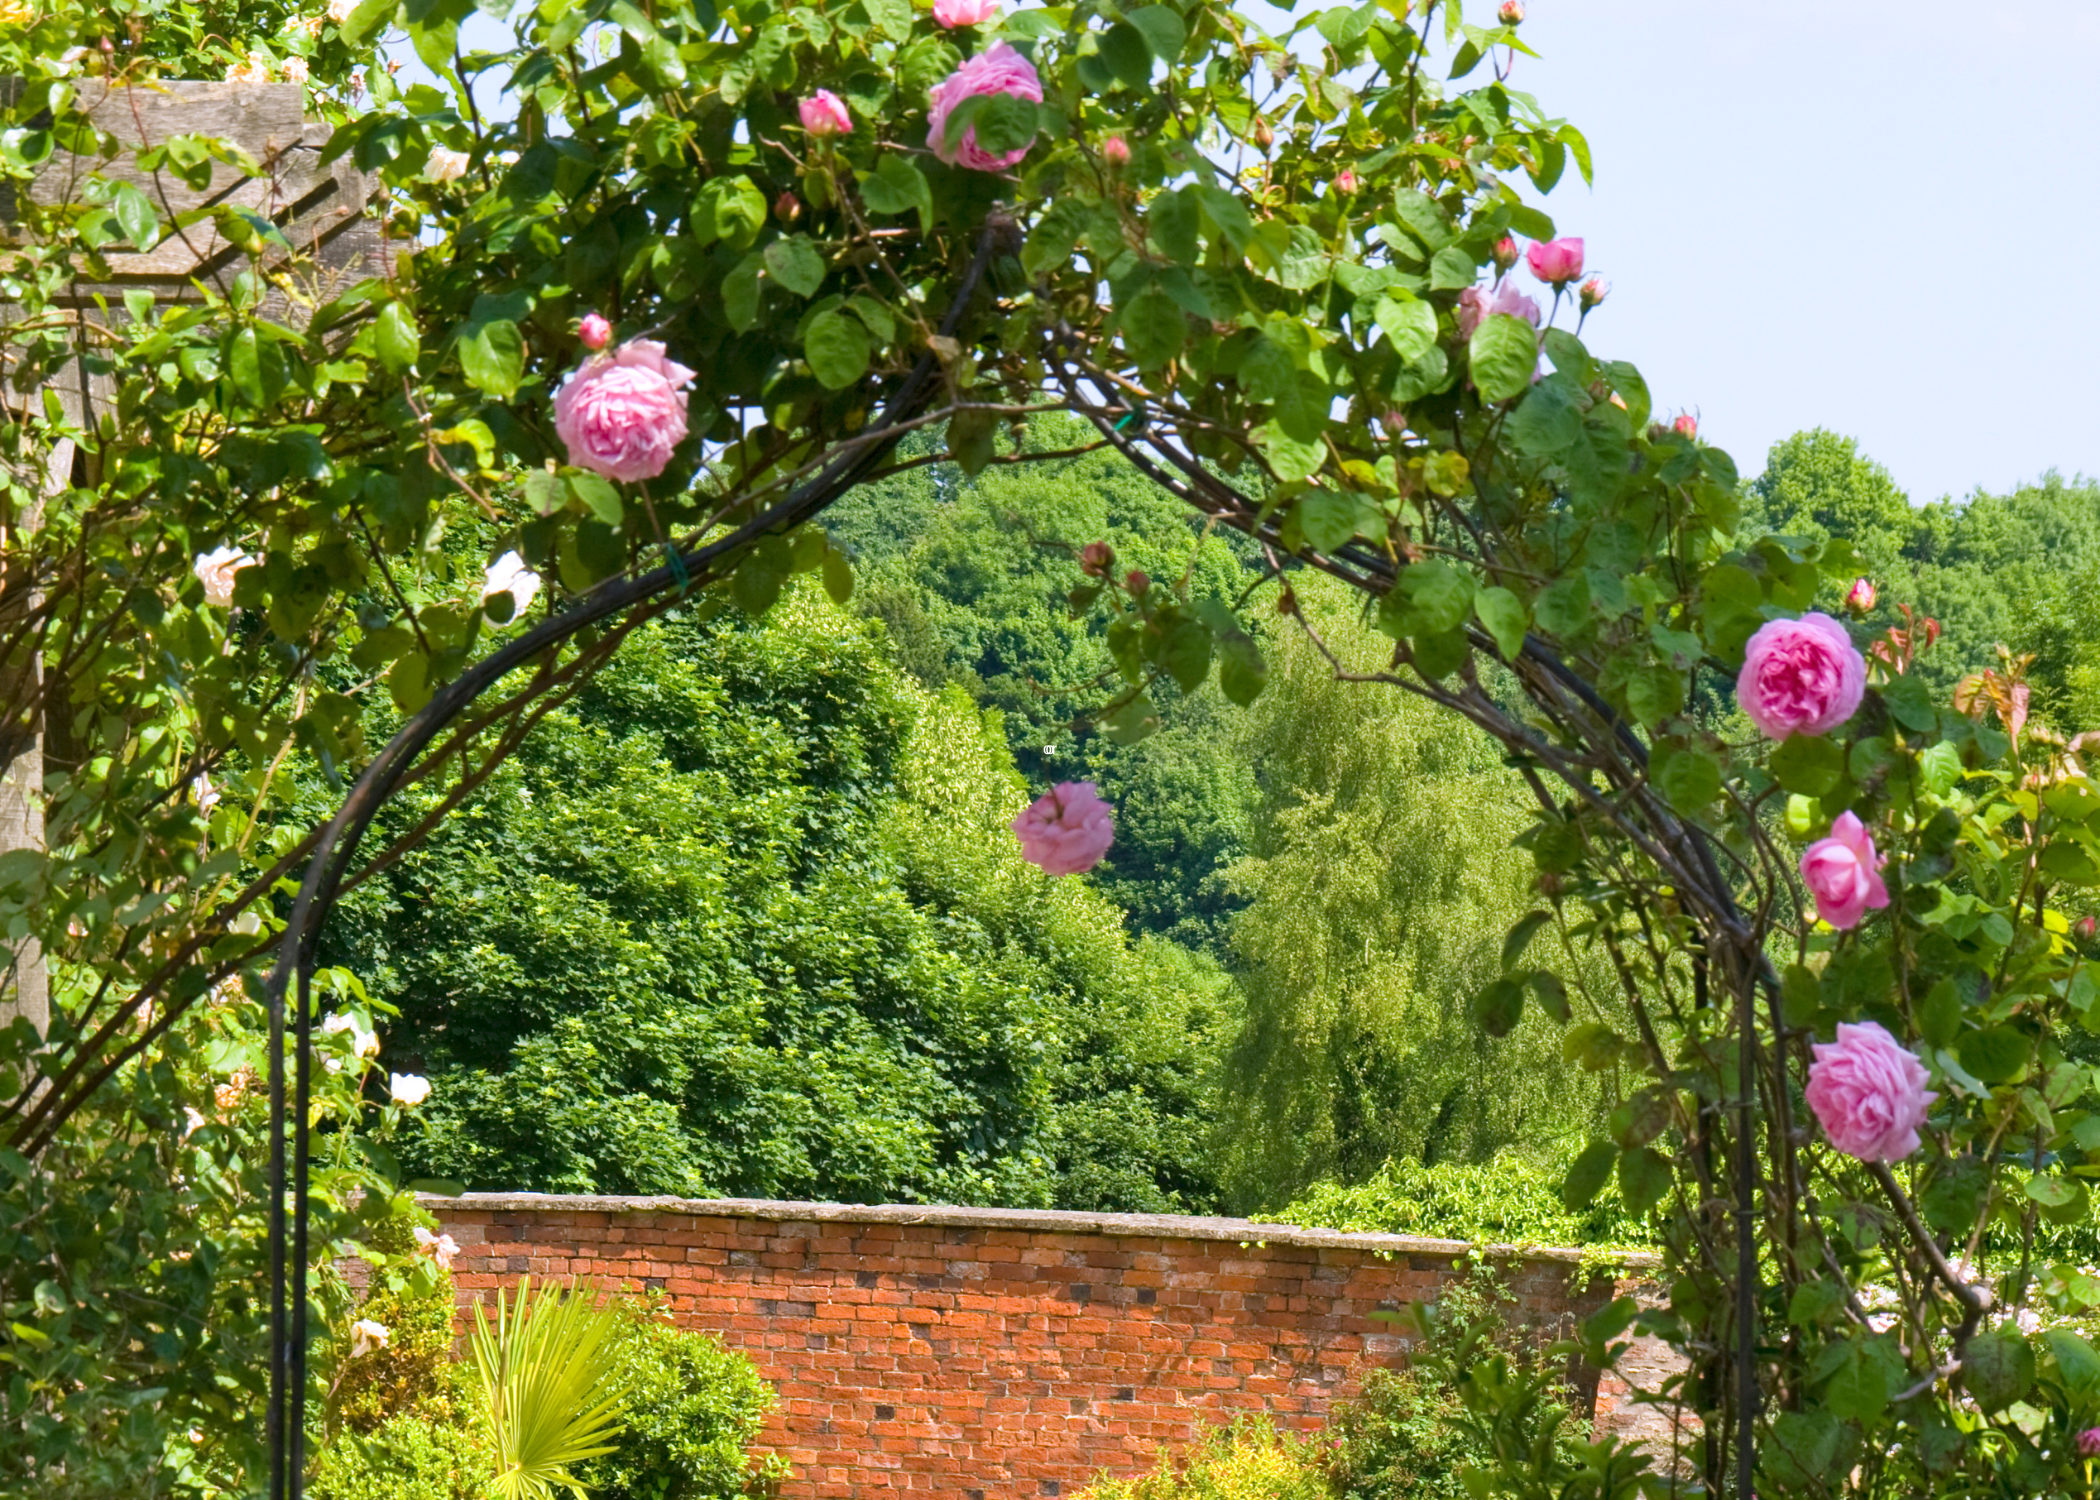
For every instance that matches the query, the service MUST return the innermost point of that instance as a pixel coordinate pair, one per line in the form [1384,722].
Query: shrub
[691,1409]
[1250,1460]
[404,1458]
[1509,1200]
[411,1296]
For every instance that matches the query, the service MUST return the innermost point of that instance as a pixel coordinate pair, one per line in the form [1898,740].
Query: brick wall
[987,1354]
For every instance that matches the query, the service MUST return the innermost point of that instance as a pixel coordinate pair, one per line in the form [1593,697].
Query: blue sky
[1867,216]
[1856,214]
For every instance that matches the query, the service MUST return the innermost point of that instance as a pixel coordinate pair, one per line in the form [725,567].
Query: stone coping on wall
[1040,1220]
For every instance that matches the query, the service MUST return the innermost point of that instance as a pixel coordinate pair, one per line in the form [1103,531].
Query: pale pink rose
[445,165]
[215,570]
[1556,262]
[593,332]
[295,69]
[366,1334]
[1843,873]
[1116,151]
[1475,303]
[622,414]
[1000,70]
[953,13]
[1066,830]
[439,1247]
[824,114]
[1800,677]
[339,10]
[1868,1093]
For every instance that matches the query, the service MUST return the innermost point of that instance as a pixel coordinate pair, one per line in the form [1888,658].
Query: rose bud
[1860,597]
[1593,292]
[1686,425]
[1345,181]
[2086,927]
[1096,558]
[787,208]
[1505,253]
[824,114]
[1137,580]
[1116,152]
[594,333]
[1264,137]
[1512,13]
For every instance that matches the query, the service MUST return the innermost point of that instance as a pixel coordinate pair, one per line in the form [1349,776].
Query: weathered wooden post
[320,211]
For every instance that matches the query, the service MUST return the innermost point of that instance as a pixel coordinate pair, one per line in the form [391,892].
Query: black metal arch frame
[1175,471]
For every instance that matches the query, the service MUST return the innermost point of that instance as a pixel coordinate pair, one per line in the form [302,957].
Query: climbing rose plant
[704,267]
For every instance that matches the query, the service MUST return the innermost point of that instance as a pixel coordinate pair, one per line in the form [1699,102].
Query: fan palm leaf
[548,1400]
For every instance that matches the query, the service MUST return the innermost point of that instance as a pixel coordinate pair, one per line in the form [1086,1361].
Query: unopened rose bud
[787,208]
[1593,292]
[1860,597]
[1137,580]
[1264,137]
[1395,422]
[1505,253]
[1096,558]
[2086,928]
[1345,182]
[1116,152]
[1686,425]
[1512,13]
[594,333]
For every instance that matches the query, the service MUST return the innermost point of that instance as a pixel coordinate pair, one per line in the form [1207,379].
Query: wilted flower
[1556,262]
[622,414]
[1843,873]
[824,115]
[439,1247]
[445,164]
[363,1043]
[1868,1093]
[1066,830]
[408,1089]
[509,575]
[998,70]
[367,1335]
[215,570]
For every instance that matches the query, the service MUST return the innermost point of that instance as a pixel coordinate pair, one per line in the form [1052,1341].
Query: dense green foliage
[691,1410]
[747,920]
[406,1458]
[1511,1199]
[1248,1460]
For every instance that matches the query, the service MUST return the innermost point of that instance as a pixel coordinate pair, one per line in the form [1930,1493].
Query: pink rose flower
[1000,70]
[1345,182]
[621,414]
[1801,677]
[593,332]
[1475,303]
[1116,152]
[824,114]
[2089,1443]
[954,13]
[1843,873]
[1556,262]
[1686,425]
[1066,830]
[1860,597]
[1868,1093]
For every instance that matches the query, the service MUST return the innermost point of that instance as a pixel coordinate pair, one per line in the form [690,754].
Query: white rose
[409,1089]
[248,70]
[444,165]
[365,1336]
[215,570]
[509,575]
[339,10]
[439,1247]
[294,70]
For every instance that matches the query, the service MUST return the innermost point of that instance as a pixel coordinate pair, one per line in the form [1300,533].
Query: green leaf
[756,584]
[1409,325]
[896,186]
[598,495]
[1653,694]
[1329,519]
[838,576]
[2076,1361]
[1859,1389]
[1552,993]
[1134,721]
[492,356]
[244,367]
[1185,653]
[1503,615]
[1547,423]
[1504,352]
[1424,219]
[395,339]
[1499,1007]
[1520,937]
[1644,1177]
[1997,1054]
[1431,598]
[366,18]
[796,264]
[544,491]
[1153,327]
[740,294]
[135,216]
[1939,1014]
[1164,31]
[838,349]
[1586,1178]
[1997,1368]
[971,440]
[1453,269]
[1808,764]
[1688,778]
[1127,53]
